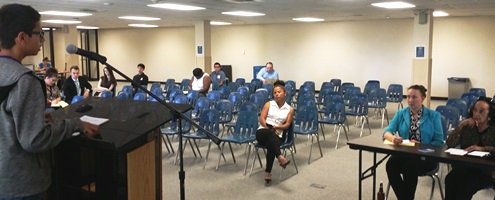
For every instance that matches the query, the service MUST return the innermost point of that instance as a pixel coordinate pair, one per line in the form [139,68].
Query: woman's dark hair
[420,88]
[51,72]
[197,72]
[16,18]
[279,83]
[491,109]
[105,78]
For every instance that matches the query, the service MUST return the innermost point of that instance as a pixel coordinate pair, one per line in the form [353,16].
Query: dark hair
[269,63]
[279,83]
[75,67]
[420,88]
[45,59]
[217,63]
[197,72]
[16,18]
[105,78]
[51,72]
[141,65]
[491,109]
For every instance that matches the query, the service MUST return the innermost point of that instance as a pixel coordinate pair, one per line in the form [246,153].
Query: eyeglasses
[41,33]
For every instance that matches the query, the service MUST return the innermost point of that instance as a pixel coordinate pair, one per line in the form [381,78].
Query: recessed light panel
[57,21]
[219,23]
[440,14]
[243,13]
[143,25]
[308,19]
[87,27]
[175,6]
[393,5]
[140,18]
[65,13]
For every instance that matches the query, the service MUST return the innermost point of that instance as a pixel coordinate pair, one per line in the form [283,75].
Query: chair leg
[432,187]
[208,153]
[368,122]
[322,131]
[165,142]
[170,143]
[293,160]
[197,147]
[247,159]
[256,155]
[220,155]
[310,150]
[440,186]
[318,141]
[232,152]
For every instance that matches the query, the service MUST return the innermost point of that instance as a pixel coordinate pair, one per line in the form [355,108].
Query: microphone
[72,49]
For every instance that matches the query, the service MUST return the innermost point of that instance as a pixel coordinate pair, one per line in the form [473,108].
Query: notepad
[93,120]
[461,152]
[479,153]
[62,104]
[404,143]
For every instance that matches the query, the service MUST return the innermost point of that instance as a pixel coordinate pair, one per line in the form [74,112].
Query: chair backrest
[140,96]
[209,120]
[155,85]
[480,91]
[128,90]
[186,126]
[249,106]
[358,105]
[122,95]
[251,87]
[192,97]
[233,86]
[224,108]
[306,102]
[335,111]
[215,86]
[156,90]
[214,95]
[257,83]
[107,94]
[269,88]
[370,85]
[76,99]
[240,81]
[264,93]
[202,104]
[324,92]
[345,85]
[169,82]
[395,93]
[184,84]
[180,99]
[289,137]
[451,114]
[246,124]
[326,85]
[307,118]
[174,92]
[244,91]
[160,96]
[349,93]
[336,84]
[292,84]
[172,88]
[378,98]
[236,100]
[470,98]
[258,99]
[224,92]
[461,105]
[310,84]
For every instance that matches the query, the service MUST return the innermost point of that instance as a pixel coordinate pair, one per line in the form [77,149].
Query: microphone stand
[179,116]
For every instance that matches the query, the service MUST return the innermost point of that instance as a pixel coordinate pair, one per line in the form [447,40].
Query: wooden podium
[122,162]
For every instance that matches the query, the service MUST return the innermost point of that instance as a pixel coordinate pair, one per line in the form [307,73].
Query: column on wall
[422,41]
[203,45]
[70,37]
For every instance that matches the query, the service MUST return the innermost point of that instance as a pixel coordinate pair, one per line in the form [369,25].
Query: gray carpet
[334,176]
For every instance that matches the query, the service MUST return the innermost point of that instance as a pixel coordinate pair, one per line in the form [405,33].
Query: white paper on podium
[94,120]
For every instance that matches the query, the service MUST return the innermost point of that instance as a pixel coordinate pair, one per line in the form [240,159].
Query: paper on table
[454,151]
[404,143]
[479,153]
[93,120]
[62,104]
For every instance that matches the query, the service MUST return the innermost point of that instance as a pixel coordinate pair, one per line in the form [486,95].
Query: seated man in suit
[76,85]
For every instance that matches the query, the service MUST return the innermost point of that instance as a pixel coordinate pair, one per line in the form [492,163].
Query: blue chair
[252,88]
[180,99]
[174,92]
[169,82]
[236,100]
[336,84]
[310,84]
[461,105]
[334,114]
[306,123]
[240,82]
[215,86]
[349,93]
[160,96]
[259,100]
[269,88]
[244,91]
[329,97]
[214,96]
[172,89]
[224,92]
[192,97]
[141,91]
[479,91]
[286,144]
[344,86]
[128,90]
[264,93]
[395,94]
[121,95]
[233,86]
[140,97]
[107,94]
[257,83]
[209,120]
[377,99]
[323,93]
[244,133]
[292,85]
[76,99]
[184,84]
[451,114]
[202,104]
[370,85]
[155,85]
[470,99]
[358,106]
[246,106]
[173,130]
[224,108]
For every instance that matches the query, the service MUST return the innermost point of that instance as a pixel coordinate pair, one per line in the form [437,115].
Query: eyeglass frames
[41,33]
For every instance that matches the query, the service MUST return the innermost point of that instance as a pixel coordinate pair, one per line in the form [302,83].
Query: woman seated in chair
[275,117]
[477,133]
[107,82]
[419,125]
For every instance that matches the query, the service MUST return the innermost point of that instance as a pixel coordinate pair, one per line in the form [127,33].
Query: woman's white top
[277,115]
[197,84]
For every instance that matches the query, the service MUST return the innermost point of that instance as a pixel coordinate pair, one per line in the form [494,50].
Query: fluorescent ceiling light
[440,14]
[65,13]
[219,23]
[308,19]
[57,21]
[87,27]
[243,13]
[175,6]
[143,25]
[140,18]
[45,29]
[393,5]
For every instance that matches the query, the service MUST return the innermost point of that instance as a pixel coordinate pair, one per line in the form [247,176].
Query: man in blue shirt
[218,76]
[267,74]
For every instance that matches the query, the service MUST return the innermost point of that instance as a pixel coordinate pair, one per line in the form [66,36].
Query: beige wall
[354,51]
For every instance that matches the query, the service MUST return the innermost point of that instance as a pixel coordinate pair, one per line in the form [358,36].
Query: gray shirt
[217,77]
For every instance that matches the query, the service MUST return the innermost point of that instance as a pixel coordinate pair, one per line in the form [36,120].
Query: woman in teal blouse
[417,124]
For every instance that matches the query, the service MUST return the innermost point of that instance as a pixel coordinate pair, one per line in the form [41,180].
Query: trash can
[458,86]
